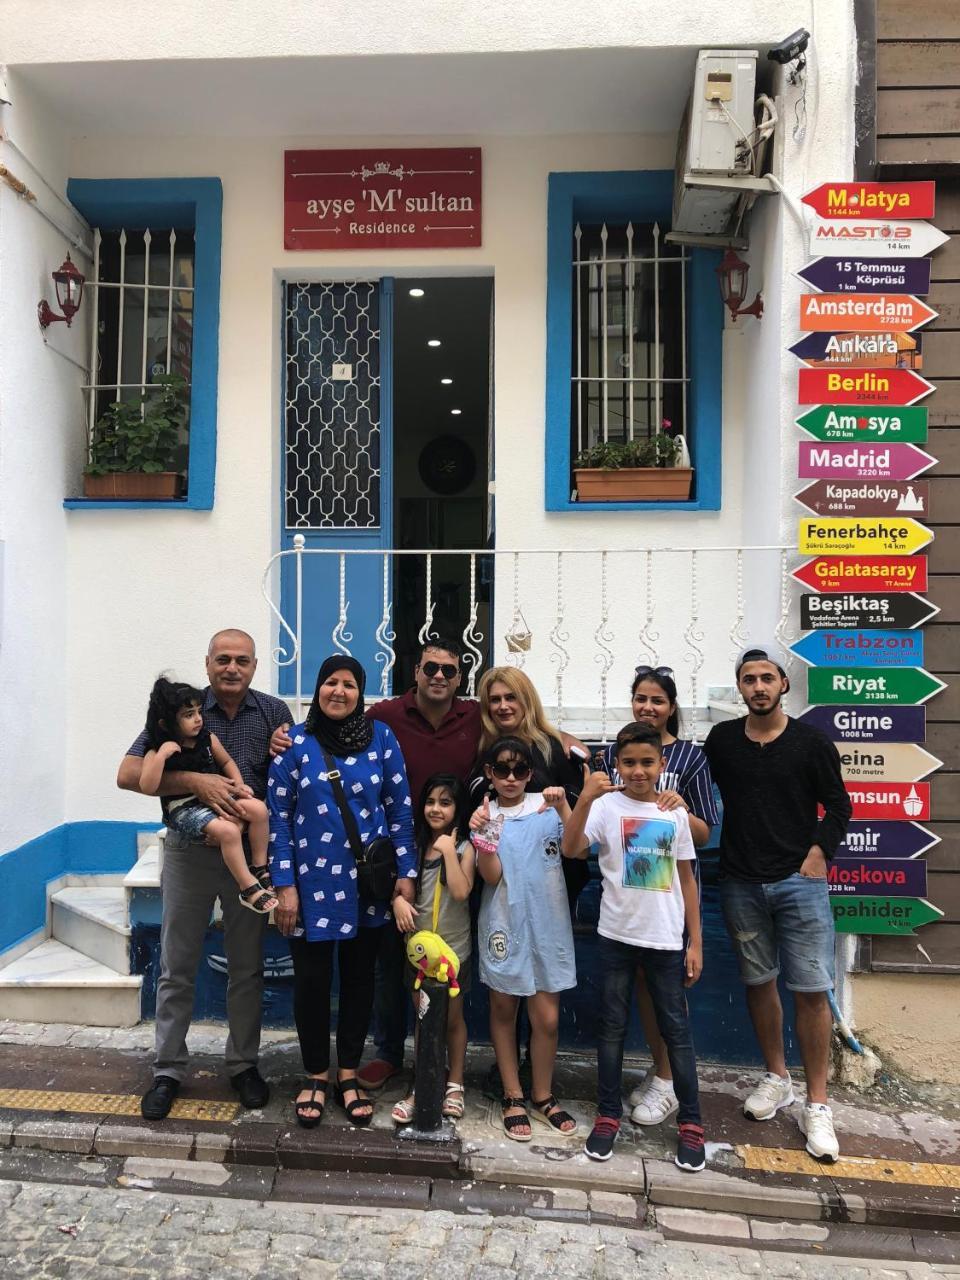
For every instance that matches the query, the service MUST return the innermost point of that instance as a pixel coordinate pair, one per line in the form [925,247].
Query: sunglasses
[503,771]
[448,670]
[656,671]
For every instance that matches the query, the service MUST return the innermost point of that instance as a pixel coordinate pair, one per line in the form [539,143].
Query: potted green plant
[648,470]
[134,445]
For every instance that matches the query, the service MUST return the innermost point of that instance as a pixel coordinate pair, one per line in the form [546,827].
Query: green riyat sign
[894,686]
[882,915]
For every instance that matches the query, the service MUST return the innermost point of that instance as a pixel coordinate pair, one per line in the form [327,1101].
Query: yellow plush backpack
[430,955]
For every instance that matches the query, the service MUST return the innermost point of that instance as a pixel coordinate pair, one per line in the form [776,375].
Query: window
[634,331]
[628,380]
[155,309]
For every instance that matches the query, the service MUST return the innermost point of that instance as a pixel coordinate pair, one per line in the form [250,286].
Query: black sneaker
[157,1101]
[599,1146]
[253,1089]
[690,1154]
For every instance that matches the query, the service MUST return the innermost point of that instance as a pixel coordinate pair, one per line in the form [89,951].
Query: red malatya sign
[382,198]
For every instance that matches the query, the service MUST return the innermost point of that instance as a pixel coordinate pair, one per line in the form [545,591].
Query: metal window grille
[142,320]
[629,367]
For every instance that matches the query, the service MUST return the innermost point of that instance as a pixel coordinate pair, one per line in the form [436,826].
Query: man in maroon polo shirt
[438,733]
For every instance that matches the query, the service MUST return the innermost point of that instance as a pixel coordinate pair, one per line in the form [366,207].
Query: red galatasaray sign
[382,198]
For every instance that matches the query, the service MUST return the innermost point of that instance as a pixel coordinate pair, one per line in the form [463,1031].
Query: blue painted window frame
[644,195]
[194,204]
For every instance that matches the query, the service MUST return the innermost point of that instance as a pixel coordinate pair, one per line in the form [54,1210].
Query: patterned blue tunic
[308,844]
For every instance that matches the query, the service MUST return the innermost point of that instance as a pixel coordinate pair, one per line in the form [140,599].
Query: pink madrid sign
[833,461]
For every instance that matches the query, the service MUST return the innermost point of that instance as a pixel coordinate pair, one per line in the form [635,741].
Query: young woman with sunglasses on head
[685,783]
[524,935]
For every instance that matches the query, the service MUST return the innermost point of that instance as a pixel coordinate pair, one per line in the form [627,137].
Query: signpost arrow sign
[879,573]
[889,801]
[871,422]
[869,876]
[863,313]
[891,762]
[863,610]
[818,461]
[870,535]
[872,199]
[878,724]
[861,648]
[837,238]
[864,498]
[868,275]
[861,386]
[894,686]
[886,840]
[828,349]
[882,915]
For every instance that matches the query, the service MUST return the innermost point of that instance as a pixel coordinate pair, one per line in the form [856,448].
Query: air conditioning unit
[717,143]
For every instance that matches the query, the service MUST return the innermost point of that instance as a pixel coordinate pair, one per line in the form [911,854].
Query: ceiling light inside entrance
[433,342]
[456,411]
[416,293]
[446,382]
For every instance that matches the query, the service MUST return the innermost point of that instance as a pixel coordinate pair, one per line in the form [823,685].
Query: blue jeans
[786,923]
[664,973]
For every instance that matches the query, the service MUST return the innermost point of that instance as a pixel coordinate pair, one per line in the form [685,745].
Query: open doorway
[441,434]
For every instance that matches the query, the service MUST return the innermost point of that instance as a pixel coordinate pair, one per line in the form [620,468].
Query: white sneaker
[640,1092]
[658,1102]
[771,1095]
[816,1125]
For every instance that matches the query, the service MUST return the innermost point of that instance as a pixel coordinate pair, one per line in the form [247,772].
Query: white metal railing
[577,621]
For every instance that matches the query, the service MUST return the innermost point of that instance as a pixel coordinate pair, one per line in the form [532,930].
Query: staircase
[81,972]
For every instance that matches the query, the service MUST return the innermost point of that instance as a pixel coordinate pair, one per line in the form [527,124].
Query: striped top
[686,772]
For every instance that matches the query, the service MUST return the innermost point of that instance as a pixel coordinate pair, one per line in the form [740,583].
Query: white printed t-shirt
[638,847]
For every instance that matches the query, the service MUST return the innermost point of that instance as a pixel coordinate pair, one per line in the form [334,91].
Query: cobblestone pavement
[79,1232]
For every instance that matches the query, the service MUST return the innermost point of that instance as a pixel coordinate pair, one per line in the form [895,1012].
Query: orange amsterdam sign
[863,313]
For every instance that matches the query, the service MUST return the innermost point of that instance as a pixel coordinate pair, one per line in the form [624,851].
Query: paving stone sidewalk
[104,1234]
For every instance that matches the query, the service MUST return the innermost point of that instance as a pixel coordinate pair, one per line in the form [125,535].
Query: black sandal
[310,1104]
[512,1123]
[256,898]
[262,876]
[352,1085]
[560,1117]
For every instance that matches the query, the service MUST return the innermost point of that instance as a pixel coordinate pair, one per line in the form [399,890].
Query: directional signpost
[861,648]
[879,573]
[893,239]
[861,386]
[872,423]
[886,762]
[896,686]
[862,274]
[886,840]
[861,344]
[819,461]
[864,498]
[864,611]
[868,535]
[882,915]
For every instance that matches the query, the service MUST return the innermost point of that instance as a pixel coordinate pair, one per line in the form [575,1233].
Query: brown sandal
[512,1123]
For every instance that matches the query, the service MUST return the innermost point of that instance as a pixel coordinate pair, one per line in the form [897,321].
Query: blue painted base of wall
[75,848]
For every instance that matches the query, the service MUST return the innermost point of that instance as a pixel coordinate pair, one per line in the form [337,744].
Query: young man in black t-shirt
[773,772]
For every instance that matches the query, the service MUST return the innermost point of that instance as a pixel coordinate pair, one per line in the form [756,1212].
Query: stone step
[93,920]
[55,983]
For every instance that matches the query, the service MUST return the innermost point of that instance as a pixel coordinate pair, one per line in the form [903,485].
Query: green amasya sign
[897,423]
[882,915]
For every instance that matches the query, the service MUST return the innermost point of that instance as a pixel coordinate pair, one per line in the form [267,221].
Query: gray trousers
[194,875]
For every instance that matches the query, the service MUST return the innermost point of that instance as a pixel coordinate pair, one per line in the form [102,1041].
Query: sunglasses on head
[656,671]
[430,669]
[519,771]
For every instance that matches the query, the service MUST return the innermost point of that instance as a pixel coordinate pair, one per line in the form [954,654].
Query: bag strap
[349,821]
[436,899]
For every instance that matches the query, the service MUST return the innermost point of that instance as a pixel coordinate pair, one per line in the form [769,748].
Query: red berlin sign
[382,198]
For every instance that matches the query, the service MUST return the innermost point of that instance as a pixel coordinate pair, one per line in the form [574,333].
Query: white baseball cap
[761,653]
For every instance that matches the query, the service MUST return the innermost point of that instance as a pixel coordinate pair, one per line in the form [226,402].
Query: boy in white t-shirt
[649,899]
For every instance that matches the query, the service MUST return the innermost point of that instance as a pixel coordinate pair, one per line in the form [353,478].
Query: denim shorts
[190,819]
[785,923]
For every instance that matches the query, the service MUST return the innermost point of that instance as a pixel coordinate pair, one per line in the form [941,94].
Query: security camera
[791,49]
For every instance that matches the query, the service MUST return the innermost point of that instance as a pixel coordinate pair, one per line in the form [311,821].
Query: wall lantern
[732,274]
[69,282]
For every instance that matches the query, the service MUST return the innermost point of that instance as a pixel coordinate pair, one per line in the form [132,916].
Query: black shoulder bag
[377,861]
